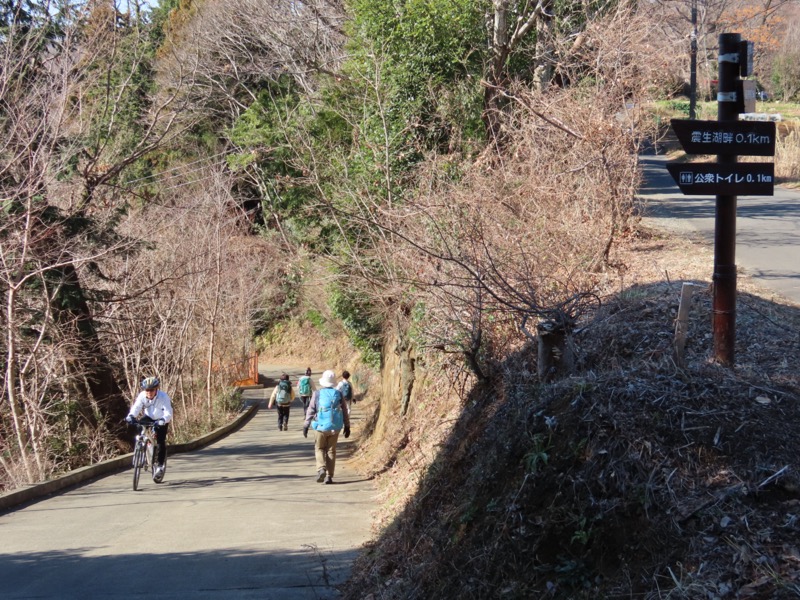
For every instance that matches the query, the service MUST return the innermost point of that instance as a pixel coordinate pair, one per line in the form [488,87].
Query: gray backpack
[284,395]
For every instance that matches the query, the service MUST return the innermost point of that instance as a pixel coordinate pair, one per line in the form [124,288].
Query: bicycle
[145,448]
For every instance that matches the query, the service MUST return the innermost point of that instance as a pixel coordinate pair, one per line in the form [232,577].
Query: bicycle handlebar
[144,422]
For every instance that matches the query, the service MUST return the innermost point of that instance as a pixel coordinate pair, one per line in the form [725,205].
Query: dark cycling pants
[283,417]
[161,439]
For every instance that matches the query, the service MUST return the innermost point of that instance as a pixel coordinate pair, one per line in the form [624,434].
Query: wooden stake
[682,323]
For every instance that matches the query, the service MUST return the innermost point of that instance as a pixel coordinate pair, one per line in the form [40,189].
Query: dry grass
[787,158]
[301,343]
[631,479]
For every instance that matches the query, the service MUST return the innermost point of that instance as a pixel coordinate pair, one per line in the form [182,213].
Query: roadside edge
[35,491]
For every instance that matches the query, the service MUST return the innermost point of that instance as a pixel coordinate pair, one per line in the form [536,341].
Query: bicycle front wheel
[150,463]
[138,460]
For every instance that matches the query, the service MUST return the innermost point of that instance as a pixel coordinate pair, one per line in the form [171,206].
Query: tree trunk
[407,375]
[555,356]
[545,52]
[495,74]
[214,311]
[94,379]
[20,430]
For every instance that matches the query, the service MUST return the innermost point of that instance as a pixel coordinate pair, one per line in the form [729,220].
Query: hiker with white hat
[327,416]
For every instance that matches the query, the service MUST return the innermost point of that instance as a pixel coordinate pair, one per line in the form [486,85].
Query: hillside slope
[632,478]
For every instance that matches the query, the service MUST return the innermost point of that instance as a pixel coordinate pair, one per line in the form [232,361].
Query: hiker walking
[305,387]
[326,416]
[346,389]
[282,395]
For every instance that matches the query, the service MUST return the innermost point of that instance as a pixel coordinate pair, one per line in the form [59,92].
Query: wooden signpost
[710,179]
[727,137]
[750,138]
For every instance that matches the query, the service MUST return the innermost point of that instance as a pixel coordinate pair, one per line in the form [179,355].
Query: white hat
[328,379]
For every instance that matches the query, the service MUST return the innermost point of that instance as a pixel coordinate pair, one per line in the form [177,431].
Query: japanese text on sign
[727,137]
[750,138]
[704,179]
[689,178]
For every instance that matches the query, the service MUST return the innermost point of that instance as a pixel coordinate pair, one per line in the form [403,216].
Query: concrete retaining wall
[39,490]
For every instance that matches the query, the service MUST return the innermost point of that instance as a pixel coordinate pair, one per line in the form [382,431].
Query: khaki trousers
[325,450]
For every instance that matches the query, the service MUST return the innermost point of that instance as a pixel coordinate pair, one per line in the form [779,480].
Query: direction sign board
[746,138]
[746,96]
[711,179]
[746,54]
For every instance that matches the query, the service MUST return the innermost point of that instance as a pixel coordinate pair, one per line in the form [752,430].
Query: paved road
[768,228]
[242,518]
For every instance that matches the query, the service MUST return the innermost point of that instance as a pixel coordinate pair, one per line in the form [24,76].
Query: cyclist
[156,405]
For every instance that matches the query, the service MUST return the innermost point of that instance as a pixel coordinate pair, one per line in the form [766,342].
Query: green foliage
[280,307]
[272,336]
[538,456]
[415,330]
[159,18]
[317,320]
[230,401]
[278,138]
[363,328]
[425,41]
[21,15]
[259,126]
[429,55]
[582,533]
[170,18]
[469,514]
[664,110]
[579,448]
[114,96]
[786,76]
[678,106]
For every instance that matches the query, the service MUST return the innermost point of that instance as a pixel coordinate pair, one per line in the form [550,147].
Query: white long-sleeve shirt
[159,407]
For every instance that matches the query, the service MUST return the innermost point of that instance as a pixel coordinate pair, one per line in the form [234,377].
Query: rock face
[398,376]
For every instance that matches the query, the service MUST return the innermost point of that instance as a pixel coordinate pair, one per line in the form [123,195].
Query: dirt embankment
[631,479]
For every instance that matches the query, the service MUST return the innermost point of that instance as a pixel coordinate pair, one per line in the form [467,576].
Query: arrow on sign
[711,179]
[747,138]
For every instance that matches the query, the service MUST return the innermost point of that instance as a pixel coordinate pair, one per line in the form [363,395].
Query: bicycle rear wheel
[138,460]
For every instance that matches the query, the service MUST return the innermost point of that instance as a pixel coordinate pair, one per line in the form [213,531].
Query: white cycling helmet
[150,383]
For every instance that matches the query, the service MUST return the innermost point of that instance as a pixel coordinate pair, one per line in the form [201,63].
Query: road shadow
[80,573]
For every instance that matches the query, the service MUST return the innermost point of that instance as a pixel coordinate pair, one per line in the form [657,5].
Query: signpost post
[724,302]
[727,137]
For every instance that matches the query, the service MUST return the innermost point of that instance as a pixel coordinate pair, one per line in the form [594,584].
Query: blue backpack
[304,386]
[329,411]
